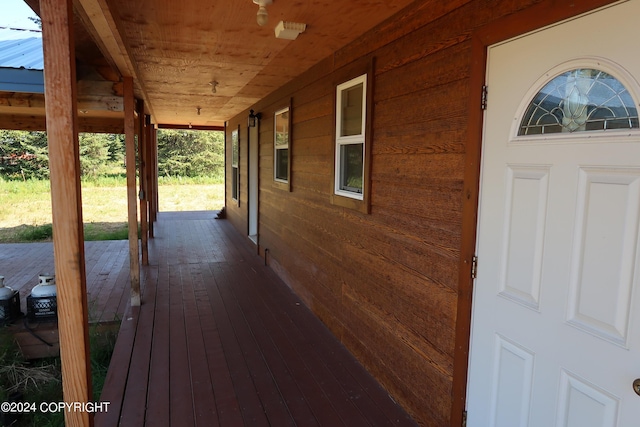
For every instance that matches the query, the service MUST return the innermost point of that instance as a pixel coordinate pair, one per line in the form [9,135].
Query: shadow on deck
[220,341]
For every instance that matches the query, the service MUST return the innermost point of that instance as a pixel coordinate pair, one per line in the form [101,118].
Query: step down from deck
[36,340]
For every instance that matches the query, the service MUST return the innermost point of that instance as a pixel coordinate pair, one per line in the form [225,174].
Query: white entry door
[556,316]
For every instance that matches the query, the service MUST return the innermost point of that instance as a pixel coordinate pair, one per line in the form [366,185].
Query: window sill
[284,186]
[350,203]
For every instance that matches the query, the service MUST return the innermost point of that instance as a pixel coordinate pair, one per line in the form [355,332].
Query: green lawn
[25,206]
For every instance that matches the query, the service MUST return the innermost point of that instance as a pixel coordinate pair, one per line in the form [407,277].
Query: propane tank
[46,286]
[5,291]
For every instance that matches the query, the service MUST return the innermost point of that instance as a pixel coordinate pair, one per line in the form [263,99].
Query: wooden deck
[220,341]
[107,265]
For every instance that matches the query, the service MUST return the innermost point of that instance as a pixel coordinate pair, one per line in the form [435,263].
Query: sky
[14,14]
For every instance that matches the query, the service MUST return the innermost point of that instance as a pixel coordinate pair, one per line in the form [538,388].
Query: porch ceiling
[174,49]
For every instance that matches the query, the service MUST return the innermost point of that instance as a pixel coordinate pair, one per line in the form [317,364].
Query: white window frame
[276,148]
[351,139]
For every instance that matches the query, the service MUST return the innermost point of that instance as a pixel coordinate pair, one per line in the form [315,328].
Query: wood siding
[386,283]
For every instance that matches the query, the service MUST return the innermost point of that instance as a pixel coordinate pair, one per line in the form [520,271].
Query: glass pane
[234,183]
[282,164]
[580,100]
[235,149]
[351,104]
[351,167]
[282,129]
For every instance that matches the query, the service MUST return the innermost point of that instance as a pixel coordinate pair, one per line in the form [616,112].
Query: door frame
[535,17]
[253,181]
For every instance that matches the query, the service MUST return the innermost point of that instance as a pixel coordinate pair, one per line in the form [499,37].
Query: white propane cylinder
[46,287]
[5,291]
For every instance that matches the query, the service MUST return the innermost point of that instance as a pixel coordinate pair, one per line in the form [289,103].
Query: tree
[94,154]
[116,148]
[24,155]
[190,153]
[36,20]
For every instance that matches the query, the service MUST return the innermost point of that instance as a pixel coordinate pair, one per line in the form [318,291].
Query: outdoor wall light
[262,16]
[254,118]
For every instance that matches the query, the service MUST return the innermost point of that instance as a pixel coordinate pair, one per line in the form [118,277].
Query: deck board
[106,264]
[220,341]
[289,339]
[115,383]
[158,402]
[227,406]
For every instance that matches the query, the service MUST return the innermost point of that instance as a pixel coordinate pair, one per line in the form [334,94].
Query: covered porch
[219,339]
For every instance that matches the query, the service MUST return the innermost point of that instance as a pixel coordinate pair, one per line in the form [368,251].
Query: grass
[25,211]
[41,381]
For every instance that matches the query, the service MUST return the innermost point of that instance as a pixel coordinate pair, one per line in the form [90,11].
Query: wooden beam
[106,30]
[190,127]
[38,123]
[155,180]
[99,87]
[132,201]
[86,101]
[101,24]
[22,122]
[101,125]
[151,167]
[66,202]
[143,143]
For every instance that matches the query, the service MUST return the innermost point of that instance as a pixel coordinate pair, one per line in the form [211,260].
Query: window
[281,145]
[350,153]
[235,161]
[579,100]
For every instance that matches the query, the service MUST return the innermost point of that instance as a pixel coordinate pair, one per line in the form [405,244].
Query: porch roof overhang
[198,63]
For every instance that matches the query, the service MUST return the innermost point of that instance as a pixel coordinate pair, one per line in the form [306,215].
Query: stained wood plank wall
[386,283]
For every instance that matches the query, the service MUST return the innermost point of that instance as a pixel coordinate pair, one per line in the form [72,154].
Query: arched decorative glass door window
[579,100]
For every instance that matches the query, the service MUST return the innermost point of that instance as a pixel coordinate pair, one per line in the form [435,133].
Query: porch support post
[132,201]
[149,172]
[143,143]
[154,174]
[66,202]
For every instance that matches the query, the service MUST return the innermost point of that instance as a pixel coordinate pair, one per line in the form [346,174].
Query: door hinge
[474,267]
[483,99]
[464,418]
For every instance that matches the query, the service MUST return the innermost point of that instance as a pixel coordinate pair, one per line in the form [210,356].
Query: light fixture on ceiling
[262,17]
[213,85]
[198,110]
[254,118]
[289,30]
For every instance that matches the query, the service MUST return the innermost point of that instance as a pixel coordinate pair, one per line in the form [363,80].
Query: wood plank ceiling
[174,49]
